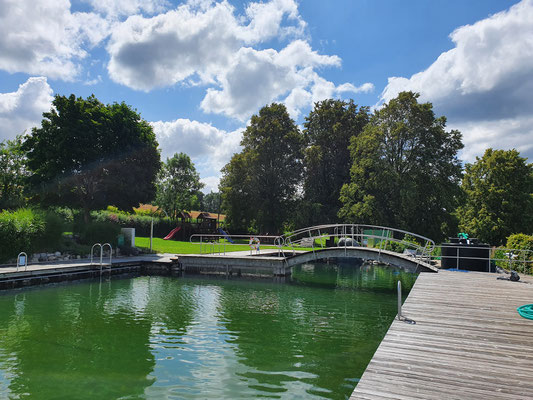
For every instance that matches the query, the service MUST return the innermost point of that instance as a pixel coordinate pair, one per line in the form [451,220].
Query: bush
[100,232]
[408,242]
[69,246]
[129,251]
[524,244]
[18,232]
[50,238]
[141,223]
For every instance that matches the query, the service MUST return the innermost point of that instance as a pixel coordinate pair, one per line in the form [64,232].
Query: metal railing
[216,244]
[22,260]
[102,246]
[409,244]
[505,258]
[358,235]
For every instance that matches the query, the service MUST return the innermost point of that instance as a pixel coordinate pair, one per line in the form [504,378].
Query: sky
[198,70]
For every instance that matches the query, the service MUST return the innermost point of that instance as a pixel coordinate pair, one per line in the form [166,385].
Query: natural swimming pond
[190,337]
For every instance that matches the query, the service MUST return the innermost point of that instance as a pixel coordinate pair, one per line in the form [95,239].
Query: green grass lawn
[176,247]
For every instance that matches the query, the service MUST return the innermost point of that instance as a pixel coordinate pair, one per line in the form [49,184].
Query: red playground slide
[172,233]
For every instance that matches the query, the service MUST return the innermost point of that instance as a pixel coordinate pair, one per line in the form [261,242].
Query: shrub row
[28,230]
[141,223]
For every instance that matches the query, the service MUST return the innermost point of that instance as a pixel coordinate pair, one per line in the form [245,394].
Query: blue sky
[197,70]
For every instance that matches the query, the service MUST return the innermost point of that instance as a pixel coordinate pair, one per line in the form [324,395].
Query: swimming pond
[189,337]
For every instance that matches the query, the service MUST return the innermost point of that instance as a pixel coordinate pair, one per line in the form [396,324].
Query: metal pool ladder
[102,246]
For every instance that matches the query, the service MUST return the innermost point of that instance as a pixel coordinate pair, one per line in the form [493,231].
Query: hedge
[141,223]
[19,231]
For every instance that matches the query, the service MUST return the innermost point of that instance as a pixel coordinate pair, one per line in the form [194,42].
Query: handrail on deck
[24,257]
[102,246]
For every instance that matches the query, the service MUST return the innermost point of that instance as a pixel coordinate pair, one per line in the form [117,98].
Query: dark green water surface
[202,338]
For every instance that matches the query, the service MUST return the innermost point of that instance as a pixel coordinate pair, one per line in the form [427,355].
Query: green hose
[526,311]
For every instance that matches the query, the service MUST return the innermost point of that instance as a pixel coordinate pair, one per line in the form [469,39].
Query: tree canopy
[329,128]
[178,185]
[13,173]
[89,155]
[259,184]
[405,170]
[211,202]
[499,196]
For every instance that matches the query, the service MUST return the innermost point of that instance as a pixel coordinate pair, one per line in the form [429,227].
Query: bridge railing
[349,235]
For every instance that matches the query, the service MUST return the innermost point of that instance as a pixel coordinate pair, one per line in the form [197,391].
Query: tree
[237,193]
[211,202]
[178,185]
[499,196]
[13,173]
[405,171]
[328,130]
[259,185]
[89,155]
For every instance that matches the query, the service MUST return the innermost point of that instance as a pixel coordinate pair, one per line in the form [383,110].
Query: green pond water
[197,338]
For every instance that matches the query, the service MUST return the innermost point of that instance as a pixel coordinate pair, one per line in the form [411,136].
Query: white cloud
[209,148]
[155,52]
[484,84]
[266,21]
[257,77]
[211,184]
[118,8]
[22,110]
[206,43]
[42,37]
[501,134]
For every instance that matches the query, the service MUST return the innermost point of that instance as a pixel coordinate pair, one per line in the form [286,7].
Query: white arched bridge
[396,247]
[392,246]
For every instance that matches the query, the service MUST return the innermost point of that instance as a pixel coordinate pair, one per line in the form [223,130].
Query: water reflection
[65,343]
[158,337]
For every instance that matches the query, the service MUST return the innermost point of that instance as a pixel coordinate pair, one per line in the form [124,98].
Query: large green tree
[499,196]
[328,130]
[237,193]
[89,155]
[405,171]
[259,184]
[212,202]
[13,173]
[178,185]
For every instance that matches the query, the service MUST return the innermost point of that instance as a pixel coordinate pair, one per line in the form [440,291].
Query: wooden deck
[469,342]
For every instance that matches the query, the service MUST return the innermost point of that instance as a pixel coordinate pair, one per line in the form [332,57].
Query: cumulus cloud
[206,43]
[484,84]
[209,148]
[42,37]
[211,184]
[119,8]
[154,52]
[257,77]
[266,21]
[22,110]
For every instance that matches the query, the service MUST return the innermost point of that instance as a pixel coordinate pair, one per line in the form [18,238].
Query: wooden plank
[468,342]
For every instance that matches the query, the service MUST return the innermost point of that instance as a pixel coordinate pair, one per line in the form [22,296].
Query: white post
[399,300]
[151,232]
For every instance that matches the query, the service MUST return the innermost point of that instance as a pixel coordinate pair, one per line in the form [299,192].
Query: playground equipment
[172,233]
[226,236]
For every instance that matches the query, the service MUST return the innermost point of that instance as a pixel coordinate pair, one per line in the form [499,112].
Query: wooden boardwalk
[469,342]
